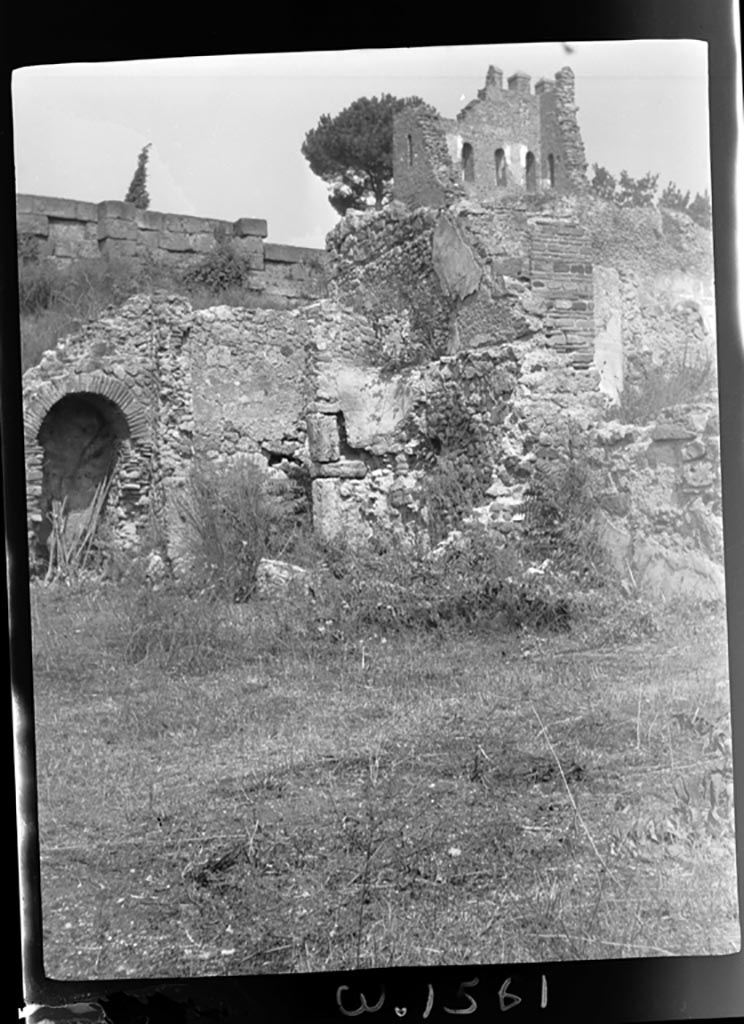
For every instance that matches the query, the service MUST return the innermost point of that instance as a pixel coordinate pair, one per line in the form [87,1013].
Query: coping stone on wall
[32,224]
[250,226]
[59,209]
[275,253]
[116,209]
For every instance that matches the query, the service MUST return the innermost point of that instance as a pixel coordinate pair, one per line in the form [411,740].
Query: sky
[226,131]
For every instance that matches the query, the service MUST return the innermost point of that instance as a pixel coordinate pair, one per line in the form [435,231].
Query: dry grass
[320,805]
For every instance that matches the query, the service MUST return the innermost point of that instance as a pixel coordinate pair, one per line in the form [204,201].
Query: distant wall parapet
[66,230]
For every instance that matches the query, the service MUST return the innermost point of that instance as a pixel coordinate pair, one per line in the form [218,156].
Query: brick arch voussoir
[98,383]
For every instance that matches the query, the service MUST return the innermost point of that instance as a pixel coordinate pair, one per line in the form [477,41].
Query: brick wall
[66,230]
[561,273]
[535,134]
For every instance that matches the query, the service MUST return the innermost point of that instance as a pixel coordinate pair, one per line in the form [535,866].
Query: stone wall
[561,272]
[122,382]
[424,173]
[662,517]
[65,231]
[458,349]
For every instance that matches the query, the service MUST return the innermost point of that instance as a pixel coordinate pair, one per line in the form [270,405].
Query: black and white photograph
[371,439]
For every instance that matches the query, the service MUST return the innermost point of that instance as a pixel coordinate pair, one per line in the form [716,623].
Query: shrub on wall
[651,387]
[560,524]
[456,428]
[221,269]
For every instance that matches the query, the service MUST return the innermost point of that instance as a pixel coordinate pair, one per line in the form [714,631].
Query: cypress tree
[137,192]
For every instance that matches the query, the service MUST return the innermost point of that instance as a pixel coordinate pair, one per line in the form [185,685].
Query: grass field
[441,797]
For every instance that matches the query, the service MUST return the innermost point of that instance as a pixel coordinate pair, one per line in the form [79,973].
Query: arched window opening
[500,158]
[551,169]
[410,151]
[530,179]
[468,162]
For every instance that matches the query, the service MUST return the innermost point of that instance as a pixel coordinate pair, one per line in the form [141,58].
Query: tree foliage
[674,199]
[137,192]
[603,184]
[701,211]
[636,191]
[629,191]
[353,152]
[698,209]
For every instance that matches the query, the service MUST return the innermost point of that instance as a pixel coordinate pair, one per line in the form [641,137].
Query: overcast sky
[226,131]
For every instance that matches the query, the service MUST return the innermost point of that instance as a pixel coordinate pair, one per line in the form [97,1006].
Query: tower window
[468,162]
[530,179]
[410,151]
[500,159]
[551,169]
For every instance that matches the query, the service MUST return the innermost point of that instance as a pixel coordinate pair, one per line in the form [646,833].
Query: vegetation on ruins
[137,192]
[219,271]
[467,736]
[652,386]
[55,301]
[628,192]
[352,152]
[308,782]
[234,519]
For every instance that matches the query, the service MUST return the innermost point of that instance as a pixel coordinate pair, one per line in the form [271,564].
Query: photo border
[608,991]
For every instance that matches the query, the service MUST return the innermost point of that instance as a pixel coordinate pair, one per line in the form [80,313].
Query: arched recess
[468,163]
[500,168]
[78,438]
[530,176]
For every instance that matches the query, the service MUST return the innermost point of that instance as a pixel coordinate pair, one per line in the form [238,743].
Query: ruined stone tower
[505,140]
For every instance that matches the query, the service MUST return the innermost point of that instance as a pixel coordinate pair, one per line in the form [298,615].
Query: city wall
[66,231]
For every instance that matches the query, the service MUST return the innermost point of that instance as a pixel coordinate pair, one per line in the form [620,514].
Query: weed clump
[234,516]
[175,632]
[654,387]
[219,271]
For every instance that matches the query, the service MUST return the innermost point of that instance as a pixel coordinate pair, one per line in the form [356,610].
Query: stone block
[453,261]
[62,209]
[32,224]
[118,248]
[249,244]
[323,438]
[671,432]
[348,469]
[112,209]
[327,518]
[148,220]
[698,475]
[173,222]
[113,228]
[149,239]
[247,226]
[173,241]
[202,243]
[194,225]
[274,253]
[26,204]
[695,450]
